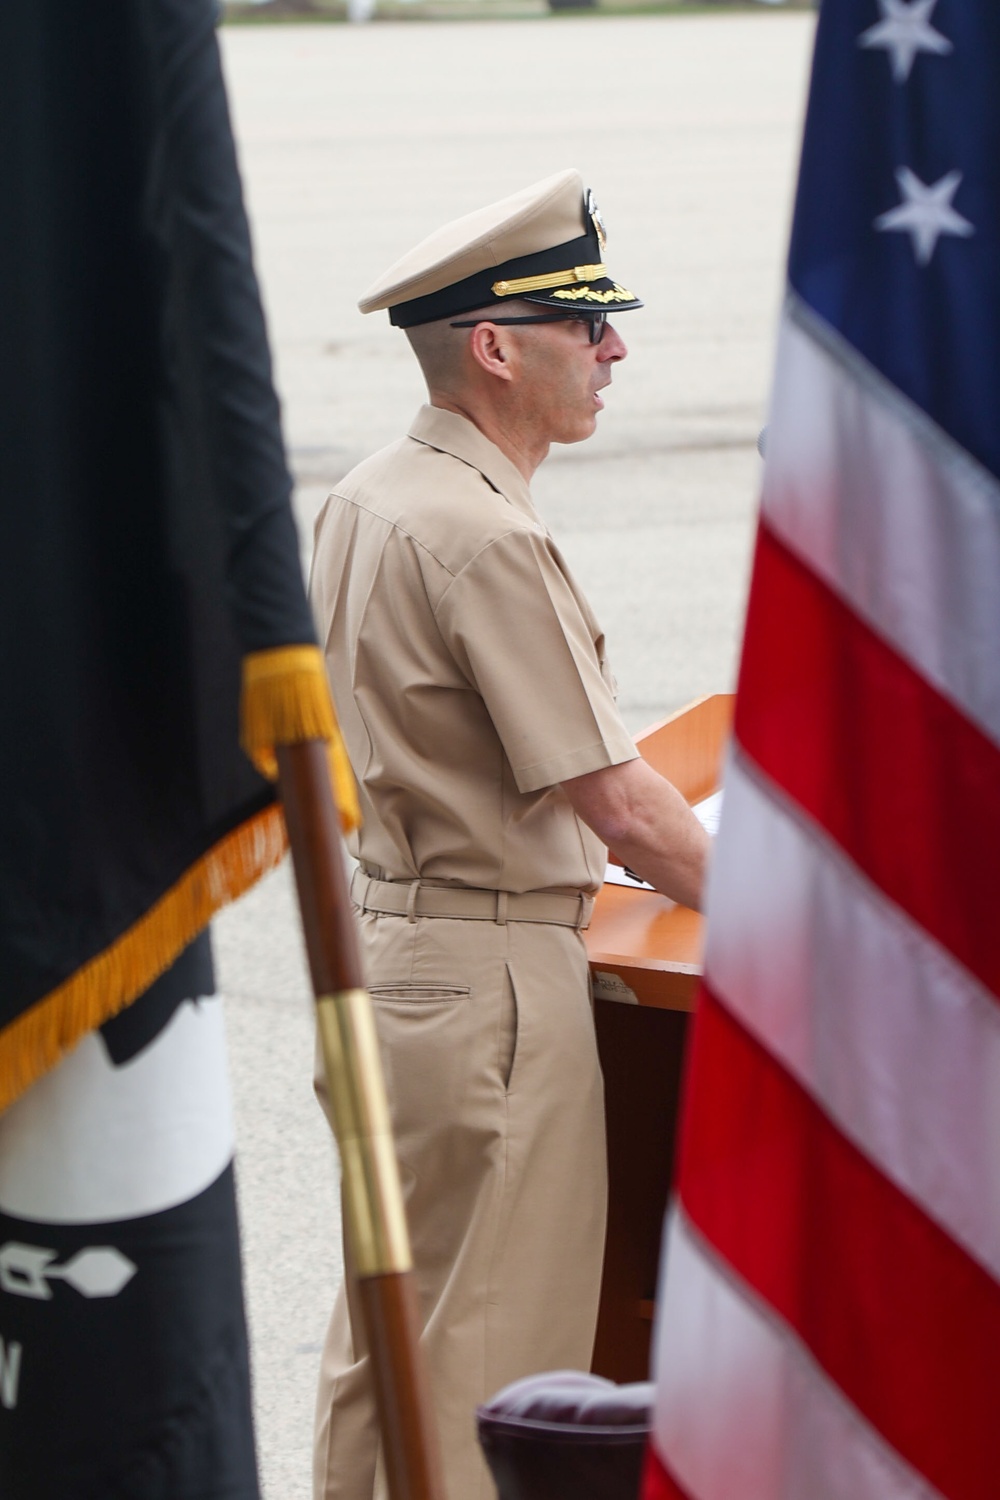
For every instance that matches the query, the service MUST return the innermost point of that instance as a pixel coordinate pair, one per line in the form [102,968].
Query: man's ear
[492,350]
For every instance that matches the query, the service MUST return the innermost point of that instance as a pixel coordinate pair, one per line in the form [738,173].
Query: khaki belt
[411,899]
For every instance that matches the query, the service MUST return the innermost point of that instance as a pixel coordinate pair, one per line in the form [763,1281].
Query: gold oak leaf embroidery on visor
[591,294]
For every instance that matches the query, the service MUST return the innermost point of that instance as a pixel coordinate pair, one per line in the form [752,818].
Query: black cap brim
[588,296]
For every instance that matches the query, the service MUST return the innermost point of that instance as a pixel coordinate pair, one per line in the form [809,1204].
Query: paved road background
[356,141]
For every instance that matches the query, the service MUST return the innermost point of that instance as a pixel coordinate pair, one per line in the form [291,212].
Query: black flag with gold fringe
[150,563]
[157,646]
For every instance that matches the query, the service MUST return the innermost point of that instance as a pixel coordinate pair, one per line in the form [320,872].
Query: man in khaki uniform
[479,713]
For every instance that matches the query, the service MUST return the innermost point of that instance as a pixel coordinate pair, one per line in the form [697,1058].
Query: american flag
[829,1312]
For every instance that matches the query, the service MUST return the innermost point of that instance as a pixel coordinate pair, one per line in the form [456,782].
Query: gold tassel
[286,699]
[36,1041]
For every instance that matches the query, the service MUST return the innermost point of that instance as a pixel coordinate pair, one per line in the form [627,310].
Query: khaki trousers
[491,1066]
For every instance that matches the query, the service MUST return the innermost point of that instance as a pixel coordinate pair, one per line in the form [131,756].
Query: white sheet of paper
[615,875]
[708,812]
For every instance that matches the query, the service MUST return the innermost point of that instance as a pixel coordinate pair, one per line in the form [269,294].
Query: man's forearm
[644,819]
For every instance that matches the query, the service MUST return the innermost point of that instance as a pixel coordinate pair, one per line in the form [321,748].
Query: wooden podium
[645,956]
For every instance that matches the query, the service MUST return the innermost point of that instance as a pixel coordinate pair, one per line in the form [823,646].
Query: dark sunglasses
[595,320]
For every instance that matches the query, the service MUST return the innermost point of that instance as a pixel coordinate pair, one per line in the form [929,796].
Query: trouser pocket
[507,1030]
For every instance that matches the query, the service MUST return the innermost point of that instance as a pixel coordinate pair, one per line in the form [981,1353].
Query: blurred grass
[322,12]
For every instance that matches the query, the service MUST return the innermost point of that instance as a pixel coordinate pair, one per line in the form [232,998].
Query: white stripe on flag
[898,1043]
[743,1412]
[897,519]
[91,1142]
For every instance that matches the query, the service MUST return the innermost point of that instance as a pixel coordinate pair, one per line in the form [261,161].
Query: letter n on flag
[829,1309]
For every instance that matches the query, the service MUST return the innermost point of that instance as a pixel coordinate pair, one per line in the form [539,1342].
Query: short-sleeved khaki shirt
[467,668]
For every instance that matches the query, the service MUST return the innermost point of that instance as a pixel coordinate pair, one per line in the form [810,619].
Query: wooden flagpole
[374,1219]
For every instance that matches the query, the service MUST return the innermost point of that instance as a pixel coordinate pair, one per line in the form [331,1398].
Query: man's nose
[612,345]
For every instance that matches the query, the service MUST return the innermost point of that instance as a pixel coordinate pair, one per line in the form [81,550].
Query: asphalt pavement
[354,142]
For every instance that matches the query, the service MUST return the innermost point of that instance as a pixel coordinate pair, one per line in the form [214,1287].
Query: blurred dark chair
[566,1436]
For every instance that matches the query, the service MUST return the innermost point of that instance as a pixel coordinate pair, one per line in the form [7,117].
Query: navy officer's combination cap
[544,244]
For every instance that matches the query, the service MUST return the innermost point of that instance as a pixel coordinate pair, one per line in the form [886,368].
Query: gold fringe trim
[36,1041]
[286,699]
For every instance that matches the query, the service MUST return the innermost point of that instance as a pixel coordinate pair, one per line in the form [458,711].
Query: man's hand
[645,820]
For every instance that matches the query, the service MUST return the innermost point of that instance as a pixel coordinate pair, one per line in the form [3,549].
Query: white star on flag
[925,212]
[905,30]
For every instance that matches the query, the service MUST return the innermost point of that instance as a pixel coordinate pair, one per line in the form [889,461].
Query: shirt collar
[450,433]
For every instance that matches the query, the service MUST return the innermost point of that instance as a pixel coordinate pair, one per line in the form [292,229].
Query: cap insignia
[597,220]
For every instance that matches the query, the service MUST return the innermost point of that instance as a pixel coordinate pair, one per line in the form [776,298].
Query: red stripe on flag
[895,1313]
[657,1483]
[902,780]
